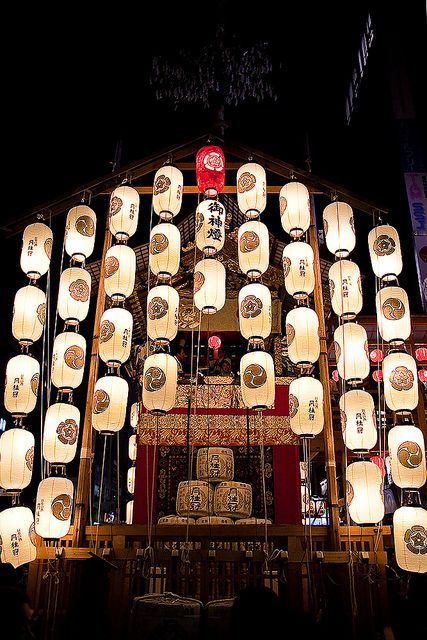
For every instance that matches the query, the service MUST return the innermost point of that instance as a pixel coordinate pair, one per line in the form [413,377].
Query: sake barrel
[215,464]
[165,615]
[233,499]
[256,521]
[175,520]
[214,520]
[194,498]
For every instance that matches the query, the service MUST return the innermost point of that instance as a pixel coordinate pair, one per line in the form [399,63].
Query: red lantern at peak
[421,354]
[376,355]
[210,170]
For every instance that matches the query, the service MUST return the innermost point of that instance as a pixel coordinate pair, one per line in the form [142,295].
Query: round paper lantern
[233,500]
[335,375]
[376,355]
[338,224]
[167,191]
[162,313]
[194,498]
[257,380]
[251,189]
[422,375]
[294,200]
[109,404]
[377,375]
[421,354]
[358,422]
[351,351]
[210,227]
[253,246]
[165,250]
[159,383]
[400,382]
[215,464]
[209,285]
[129,512]
[135,412]
[255,312]
[29,311]
[210,170]
[346,289]
[54,506]
[68,360]
[36,251]
[306,406]
[120,267]
[365,500]
[61,431]
[298,269]
[176,520]
[80,231]
[410,538]
[17,536]
[74,295]
[213,520]
[16,459]
[21,385]
[407,456]
[132,447]
[131,480]
[115,336]
[123,213]
[214,342]
[302,335]
[393,315]
[384,251]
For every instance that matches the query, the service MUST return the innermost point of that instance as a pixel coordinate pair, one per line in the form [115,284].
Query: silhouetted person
[16,612]
[256,613]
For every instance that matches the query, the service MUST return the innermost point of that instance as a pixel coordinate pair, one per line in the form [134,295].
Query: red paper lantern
[210,170]
[380,463]
[377,375]
[335,375]
[421,354]
[422,375]
[376,355]
[214,342]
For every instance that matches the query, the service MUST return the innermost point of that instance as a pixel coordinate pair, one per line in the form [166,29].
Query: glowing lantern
[29,311]
[298,269]
[407,456]
[167,191]
[210,227]
[54,506]
[74,295]
[364,492]
[358,422]
[384,250]
[214,342]
[159,383]
[421,354]
[68,360]
[302,335]
[210,170]
[346,289]
[80,231]
[215,464]
[115,336]
[22,384]
[339,229]
[376,355]
[233,500]
[351,351]
[120,266]
[393,315]
[16,459]
[410,538]
[255,312]
[132,447]
[165,250]
[294,200]
[131,480]
[257,380]
[194,498]
[400,382]
[61,431]
[109,404]
[135,412]
[209,285]
[422,375]
[253,246]
[129,512]
[123,213]
[377,375]
[306,406]
[335,375]
[17,536]
[251,189]
[162,313]
[36,252]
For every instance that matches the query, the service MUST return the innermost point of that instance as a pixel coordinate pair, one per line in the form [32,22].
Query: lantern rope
[101,486]
[118,477]
[148,559]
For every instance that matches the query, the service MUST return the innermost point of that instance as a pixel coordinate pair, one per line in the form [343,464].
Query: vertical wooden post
[421,412]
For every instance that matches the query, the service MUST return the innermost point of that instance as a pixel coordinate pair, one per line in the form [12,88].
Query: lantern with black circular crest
[74,295]
[410,538]
[164,250]
[120,266]
[54,506]
[115,336]
[29,312]
[80,230]
[159,383]
[385,252]
[251,189]
[60,435]
[162,313]
[253,246]
[123,212]
[400,382]
[109,403]
[68,360]
[257,380]
[407,456]
[393,315]
[167,191]
[255,312]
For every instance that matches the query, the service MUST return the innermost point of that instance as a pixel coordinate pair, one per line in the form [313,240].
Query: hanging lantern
[123,213]
[61,431]
[422,375]
[162,313]
[132,447]
[210,170]
[21,385]
[376,355]
[210,227]
[129,512]
[358,422]
[407,456]
[160,383]
[400,382]
[209,285]
[120,267]
[29,311]
[251,189]
[421,354]
[135,412]
[16,459]
[306,407]
[54,506]
[257,380]
[109,404]
[36,251]
[74,295]
[410,538]
[80,231]
[338,224]
[298,269]
[68,360]
[346,289]
[393,315]
[384,251]
[115,336]
[365,500]
[253,246]
[165,250]
[131,480]
[302,335]
[294,200]
[17,536]
[255,312]
[335,375]
[377,375]
[351,351]
[167,191]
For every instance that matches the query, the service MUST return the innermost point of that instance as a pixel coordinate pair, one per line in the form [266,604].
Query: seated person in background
[222,365]
[181,358]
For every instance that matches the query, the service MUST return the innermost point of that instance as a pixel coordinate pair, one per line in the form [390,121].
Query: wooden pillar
[421,412]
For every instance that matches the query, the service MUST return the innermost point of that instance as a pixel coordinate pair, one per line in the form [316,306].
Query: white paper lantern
[346,289]
[209,285]
[351,351]
[400,382]
[159,383]
[338,224]
[253,246]
[365,500]
[162,313]
[17,536]
[385,253]
[410,538]
[115,336]
[16,459]
[257,380]
[36,251]
[294,200]
[133,447]
[210,226]
[165,250]
[407,456]
[358,421]
[135,412]
[131,480]
[306,406]
[29,312]
[167,191]
[129,512]
[54,506]
[61,431]
[302,335]
[393,315]
[120,267]
[74,295]
[123,213]
[21,385]
[80,231]
[298,269]
[109,404]
[255,312]
[251,189]
[68,360]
